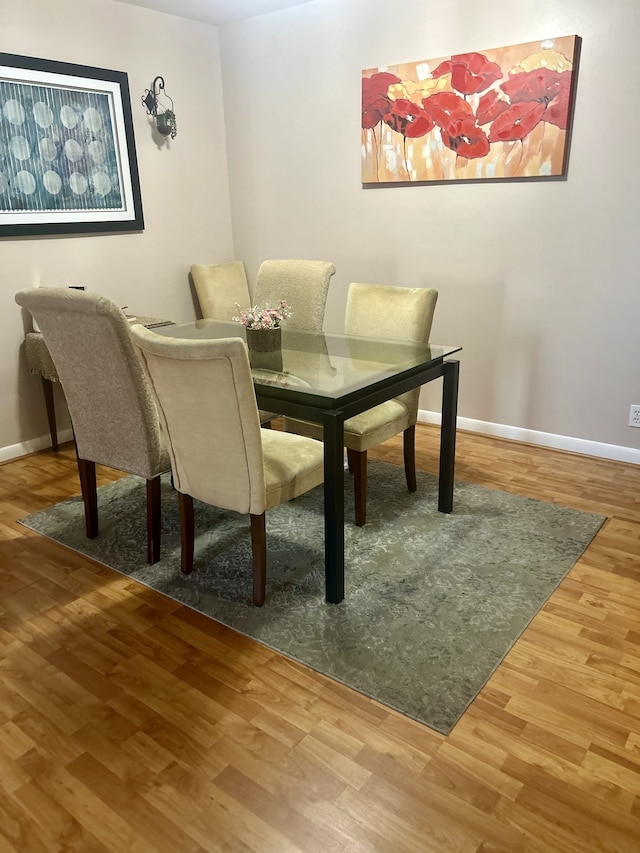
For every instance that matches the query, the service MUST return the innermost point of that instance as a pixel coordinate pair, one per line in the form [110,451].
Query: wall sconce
[165,117]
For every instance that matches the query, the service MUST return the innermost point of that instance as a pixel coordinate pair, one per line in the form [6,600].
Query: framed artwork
[67,153]
[499,114]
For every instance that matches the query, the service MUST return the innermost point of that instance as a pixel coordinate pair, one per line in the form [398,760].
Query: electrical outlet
[634,415]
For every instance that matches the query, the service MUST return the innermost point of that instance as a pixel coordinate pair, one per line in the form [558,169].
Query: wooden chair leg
[154,520]
[47,389]
[259,554]
[185,504]
[350,460]
[359,463]
[87,474]
[409,441]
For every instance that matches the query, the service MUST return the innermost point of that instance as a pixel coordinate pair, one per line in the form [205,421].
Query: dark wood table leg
[154,519]
[334,506]
[47,387]
[187,532]
[87,473]
[448,435]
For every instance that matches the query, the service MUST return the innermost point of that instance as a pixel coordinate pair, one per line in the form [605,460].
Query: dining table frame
[421,364]
[332,413]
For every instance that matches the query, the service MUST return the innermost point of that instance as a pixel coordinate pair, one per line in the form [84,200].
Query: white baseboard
[13,451]
[543,439]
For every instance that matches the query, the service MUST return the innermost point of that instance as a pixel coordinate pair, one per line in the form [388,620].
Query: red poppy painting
[502,113]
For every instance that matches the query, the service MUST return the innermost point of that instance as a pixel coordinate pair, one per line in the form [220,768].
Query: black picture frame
[68,160]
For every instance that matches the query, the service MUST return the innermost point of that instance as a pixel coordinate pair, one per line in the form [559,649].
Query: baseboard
[543,439]
[13,451]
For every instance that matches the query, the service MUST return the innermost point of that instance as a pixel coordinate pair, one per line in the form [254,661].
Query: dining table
[327,378]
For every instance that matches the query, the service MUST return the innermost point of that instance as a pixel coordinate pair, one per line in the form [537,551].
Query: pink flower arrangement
[263,318]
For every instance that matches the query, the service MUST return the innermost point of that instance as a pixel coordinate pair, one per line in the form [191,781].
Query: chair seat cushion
[364,430]
[293,464]
[39,358]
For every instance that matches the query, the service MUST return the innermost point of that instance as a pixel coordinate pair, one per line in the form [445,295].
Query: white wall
[184,184]
[538,281]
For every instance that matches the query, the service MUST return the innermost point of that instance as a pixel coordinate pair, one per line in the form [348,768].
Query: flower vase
[265,348]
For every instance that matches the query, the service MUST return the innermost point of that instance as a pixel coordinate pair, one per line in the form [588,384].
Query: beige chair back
[220,289]
[302,284]
[392,313]
[206,399]
[112,410]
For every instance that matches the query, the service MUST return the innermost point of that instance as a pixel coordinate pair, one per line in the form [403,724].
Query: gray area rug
[433,602]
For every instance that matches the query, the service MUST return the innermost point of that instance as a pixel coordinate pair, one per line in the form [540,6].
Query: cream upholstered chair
[219,454]
[391,313]
[220,288]
[302,284]
[113,414]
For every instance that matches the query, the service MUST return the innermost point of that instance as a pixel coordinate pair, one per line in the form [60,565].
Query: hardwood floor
[130,723]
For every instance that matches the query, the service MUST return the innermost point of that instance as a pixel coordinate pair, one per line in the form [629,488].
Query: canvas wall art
[497,114]
[67,154]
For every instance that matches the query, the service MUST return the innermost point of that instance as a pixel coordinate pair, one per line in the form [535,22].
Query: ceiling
[215,12]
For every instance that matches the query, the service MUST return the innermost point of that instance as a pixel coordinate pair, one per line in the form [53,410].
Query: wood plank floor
[130,723]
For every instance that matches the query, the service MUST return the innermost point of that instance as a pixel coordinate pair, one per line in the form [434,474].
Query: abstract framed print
[67,152]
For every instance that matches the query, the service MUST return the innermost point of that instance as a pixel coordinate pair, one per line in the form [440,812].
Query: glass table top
[325,365]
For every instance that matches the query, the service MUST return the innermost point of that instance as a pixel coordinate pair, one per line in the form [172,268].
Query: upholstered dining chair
[219,454]
[302,284]
[113,413]
[390,313]
[220,289]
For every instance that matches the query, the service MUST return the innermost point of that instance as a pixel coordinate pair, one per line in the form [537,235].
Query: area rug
[432,604]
